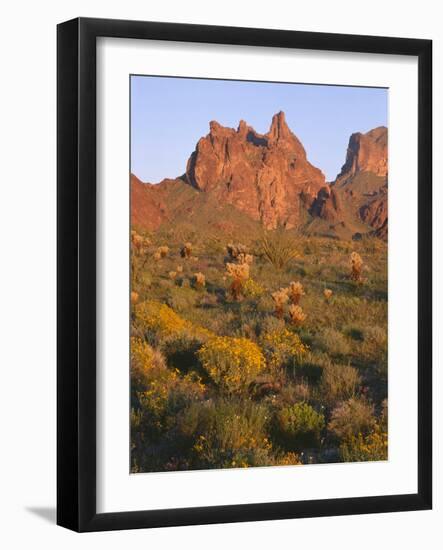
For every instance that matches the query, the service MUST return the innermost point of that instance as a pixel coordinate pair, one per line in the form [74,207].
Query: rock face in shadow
[359,195]
[266,176]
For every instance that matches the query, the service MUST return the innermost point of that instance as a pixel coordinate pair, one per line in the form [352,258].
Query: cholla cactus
[139,243]
[134,297]
[179,269]
[186,250]
[163,251]
[157,256]
[245,258]
[172,275]
[356,267]
[136,242]
[239,274]
[200,280]
[234,250]
[296,315]
[327,293]
[280,298]
[295,292]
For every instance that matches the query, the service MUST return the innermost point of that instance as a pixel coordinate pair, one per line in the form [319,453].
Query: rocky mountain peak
[366,153]
[264,175]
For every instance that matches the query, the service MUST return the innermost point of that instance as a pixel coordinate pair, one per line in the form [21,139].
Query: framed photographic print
[244,274]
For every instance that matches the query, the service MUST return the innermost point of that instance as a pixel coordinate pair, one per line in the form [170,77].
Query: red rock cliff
[266,176]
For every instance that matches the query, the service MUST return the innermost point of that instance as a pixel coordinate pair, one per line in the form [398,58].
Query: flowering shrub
[252,289]
[300,426]
[160,323]
[282,348]
[232,363]
[157,392]
[359,448]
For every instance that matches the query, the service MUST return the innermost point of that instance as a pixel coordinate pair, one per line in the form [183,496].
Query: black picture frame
[76,280]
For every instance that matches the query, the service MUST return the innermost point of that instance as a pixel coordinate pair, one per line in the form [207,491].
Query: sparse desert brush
[270,323]
[239,273]
[333,342]
[282,348]
[232,363]
[199,280]
[352,417]
[186,250]
[279,247]
[280,298]
[172,275]
[339,382]
[327,293]
[295,292]
[299,426]
[296,315]
[134,297]
[356,264]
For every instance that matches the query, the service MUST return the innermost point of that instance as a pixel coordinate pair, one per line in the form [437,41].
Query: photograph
[258,269]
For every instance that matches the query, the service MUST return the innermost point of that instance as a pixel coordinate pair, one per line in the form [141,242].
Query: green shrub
[299,426]
[227,433]
[279,247]
[181,299]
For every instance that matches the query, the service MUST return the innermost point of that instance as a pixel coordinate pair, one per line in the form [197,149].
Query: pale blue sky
[169,115]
